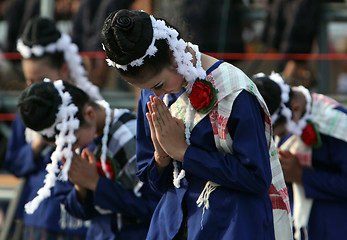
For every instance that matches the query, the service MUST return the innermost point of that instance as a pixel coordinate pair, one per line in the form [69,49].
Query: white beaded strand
[104,139]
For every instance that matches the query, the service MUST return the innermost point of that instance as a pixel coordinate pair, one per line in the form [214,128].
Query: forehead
[38,67]
[150,81]
[36,70]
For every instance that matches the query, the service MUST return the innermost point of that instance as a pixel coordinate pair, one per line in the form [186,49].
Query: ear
[89,113]
[173,60]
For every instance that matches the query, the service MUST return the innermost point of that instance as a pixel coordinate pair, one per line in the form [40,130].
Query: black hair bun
[124,22]
[270,91]
[127,35]
[38,105]
[40,31]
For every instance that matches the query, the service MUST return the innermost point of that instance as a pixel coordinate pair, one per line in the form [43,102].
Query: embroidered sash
[301,204]
[330,121]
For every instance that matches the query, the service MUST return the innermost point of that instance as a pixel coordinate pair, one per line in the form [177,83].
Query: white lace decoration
[176,176]
[285,90]
[186,68]
[293,127]
[71,56]
[201,74]
[66,123]
[104,139]
[178,46]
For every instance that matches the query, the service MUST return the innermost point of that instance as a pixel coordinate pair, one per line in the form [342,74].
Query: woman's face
[167,81]
[39,69]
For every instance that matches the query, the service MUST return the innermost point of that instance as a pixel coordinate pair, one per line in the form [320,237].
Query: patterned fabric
[330,120]
[230,81]
[301,205]
[120,148]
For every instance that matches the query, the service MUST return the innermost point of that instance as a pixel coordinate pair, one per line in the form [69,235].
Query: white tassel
[203,199]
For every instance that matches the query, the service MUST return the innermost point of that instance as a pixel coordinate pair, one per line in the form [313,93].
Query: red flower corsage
[109,168]
[310,135]
[203,96]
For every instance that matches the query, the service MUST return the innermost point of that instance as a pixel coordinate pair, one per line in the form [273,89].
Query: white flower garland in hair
[285,90]
[104,139]
[293,127]
[189,113]
[296,128]
[66,123]
[178,46]
[185,67]
[71,56]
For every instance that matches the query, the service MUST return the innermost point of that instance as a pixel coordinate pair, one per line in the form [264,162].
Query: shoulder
[123,115]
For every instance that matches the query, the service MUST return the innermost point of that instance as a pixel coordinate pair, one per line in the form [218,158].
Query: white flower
[37,50]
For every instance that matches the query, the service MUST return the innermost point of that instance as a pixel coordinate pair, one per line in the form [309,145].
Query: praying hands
[167,132]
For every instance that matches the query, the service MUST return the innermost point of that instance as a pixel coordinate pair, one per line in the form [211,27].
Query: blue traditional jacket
[240,208]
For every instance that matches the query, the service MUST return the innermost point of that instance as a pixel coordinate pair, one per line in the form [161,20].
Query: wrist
[161,160]
[93,184]
[81,193]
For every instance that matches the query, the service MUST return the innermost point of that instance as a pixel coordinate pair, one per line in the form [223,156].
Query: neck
[207,61]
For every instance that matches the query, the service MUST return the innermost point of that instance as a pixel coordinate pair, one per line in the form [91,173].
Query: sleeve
[66,193]
[110,195]
[247,169]
[19,159]
[329,181]
[119,196]
[147,171]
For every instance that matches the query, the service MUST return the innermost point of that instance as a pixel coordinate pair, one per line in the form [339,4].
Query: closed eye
[159,86]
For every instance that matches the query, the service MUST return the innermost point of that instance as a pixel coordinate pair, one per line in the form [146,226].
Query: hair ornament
[67,124]
[285,90]
[283,110]
[104,139]
[178,46]
[71,56]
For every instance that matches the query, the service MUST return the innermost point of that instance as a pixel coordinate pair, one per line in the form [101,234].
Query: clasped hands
[291,168]
[83,172]
[167,132]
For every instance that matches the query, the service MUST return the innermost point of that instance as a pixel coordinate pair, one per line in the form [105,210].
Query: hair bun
[126,35]
[40,31]
[270,91]
[38,105]
[124,22]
